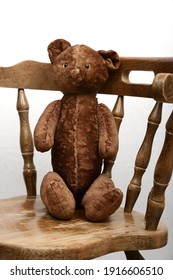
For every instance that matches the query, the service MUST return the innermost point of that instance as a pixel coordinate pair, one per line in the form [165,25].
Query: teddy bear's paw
[57,198]
[102,199]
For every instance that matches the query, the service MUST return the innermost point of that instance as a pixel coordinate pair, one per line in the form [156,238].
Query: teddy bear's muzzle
[76,75]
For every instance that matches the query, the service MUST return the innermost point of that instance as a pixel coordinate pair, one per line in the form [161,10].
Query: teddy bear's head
[80,69]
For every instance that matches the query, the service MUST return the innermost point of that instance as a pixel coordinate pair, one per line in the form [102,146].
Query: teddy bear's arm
[108,134]
[45,129]
[108,138]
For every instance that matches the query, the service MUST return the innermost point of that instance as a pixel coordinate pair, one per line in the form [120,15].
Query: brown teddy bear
[80,133]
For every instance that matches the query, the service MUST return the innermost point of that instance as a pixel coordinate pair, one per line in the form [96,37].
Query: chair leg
[133,255]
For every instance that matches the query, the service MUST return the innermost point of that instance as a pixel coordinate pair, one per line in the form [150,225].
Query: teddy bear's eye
[65,65]
[87,66]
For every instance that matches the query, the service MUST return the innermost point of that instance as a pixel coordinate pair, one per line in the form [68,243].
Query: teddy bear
[81,134]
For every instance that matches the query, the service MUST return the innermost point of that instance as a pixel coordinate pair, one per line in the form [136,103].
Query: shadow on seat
[29,232]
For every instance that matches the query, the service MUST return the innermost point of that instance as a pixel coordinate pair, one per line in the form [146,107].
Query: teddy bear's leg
[102,199]
[56,196]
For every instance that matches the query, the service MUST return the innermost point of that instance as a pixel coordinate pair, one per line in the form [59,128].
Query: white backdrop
[132,28]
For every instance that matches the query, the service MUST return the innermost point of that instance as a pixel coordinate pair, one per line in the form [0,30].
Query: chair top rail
[37,75]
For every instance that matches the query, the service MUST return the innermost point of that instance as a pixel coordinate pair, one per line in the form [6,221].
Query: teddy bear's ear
[112,59]
[56,47]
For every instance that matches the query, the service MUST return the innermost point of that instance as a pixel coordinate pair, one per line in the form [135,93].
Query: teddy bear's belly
[75,155]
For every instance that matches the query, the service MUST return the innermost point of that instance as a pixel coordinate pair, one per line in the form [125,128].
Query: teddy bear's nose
[76,74]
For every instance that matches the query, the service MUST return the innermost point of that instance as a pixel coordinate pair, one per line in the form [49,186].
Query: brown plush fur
[80,133]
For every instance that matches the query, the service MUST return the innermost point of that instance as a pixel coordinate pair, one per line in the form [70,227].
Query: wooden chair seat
[29,232]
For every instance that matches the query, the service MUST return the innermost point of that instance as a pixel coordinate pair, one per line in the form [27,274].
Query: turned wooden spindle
[26,144]
[143,157]
[118,114]
[118,111]
[162,176]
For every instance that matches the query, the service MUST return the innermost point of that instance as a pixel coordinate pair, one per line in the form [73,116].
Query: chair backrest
[36,75]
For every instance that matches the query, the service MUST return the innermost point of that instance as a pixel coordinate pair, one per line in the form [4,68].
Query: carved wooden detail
[26,144]
[162,87]
[38,75]
[162,176]
[143,157]
[118,111]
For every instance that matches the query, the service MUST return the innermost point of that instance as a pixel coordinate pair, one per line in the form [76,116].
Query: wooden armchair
[29,232]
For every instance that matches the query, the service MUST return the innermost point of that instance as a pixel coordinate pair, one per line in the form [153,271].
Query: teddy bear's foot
[102,199]
[57,198]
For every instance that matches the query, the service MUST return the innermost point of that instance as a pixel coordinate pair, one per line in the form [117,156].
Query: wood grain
[29,232]
[162,176]
[38,75]
[143,157]
[119,83]
[26,144]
